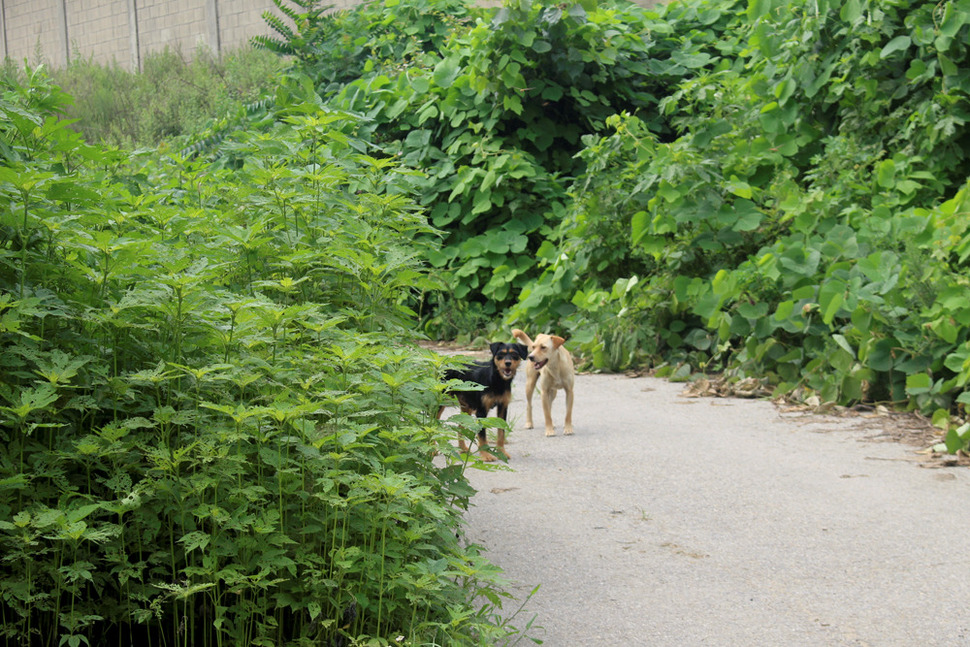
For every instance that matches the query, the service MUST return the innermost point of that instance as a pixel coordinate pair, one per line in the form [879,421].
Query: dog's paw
[550,431]
[528,424]
[568,430]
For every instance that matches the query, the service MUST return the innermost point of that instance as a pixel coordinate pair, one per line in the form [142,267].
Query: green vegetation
[493,112]
[216,425]
[764,189]
[172,96]
[216,428]
[806,225]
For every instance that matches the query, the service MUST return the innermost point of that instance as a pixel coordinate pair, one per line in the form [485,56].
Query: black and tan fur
[496,376]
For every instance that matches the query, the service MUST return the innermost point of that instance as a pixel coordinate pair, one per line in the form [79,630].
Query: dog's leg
[503,412]
[530,384]
[548,395]
[483,439]
[483,447]
[500,443]
[464,408]
[568,426]
[462,445]
[531,377]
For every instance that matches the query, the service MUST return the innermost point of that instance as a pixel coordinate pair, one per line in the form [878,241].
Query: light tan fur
[556,372]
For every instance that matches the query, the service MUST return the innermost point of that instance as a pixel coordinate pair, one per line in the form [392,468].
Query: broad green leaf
[446,71]
[758,9]
[640,226]
[771,118]
[739,188]
[724,284]
[957,438]
[784,310]
[830,299]
[72,192]
[898,44]
[843,342]
[753,310]
[195,540]
[552,92]
[852,387]
[918,383]
[482,202]
[707,305]
[840,360]
[429,111]
[512,103]
[886,174]
[690,60]
[33,399]
[784,89]
[851,11]
[704,136]
[749,217]
[680,374]
[421,84]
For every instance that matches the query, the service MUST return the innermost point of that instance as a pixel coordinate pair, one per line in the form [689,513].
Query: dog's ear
[521,336]
[557,341]
[522,350]
[495,347]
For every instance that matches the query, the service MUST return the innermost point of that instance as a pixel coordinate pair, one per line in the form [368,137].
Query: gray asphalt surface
[673,521]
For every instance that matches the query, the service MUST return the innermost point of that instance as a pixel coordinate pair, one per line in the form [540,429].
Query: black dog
[496,376]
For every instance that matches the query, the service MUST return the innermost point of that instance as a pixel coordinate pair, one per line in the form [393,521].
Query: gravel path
[673,521]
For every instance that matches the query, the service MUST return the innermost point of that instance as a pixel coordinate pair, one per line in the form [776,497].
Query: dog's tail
[521,336]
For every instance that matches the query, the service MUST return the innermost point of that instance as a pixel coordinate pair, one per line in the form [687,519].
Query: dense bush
[493,113]
[806,226]
[770,189]
[214,426]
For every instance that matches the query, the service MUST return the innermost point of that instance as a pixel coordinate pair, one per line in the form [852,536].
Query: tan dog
[549,359]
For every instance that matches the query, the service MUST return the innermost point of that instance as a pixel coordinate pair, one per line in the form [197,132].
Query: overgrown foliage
[768,189]
[492,106]
[173,95]
[207,434]
[806,227]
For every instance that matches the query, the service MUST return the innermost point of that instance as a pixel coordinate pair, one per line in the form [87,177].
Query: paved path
[668,521]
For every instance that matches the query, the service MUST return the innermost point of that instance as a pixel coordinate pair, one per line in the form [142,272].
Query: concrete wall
[124,31]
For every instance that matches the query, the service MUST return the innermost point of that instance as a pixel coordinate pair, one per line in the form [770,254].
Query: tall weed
[173,95]
[215,427]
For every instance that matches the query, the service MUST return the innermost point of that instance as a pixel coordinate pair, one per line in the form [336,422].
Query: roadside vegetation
[766,190]
[216,424]
[174,94]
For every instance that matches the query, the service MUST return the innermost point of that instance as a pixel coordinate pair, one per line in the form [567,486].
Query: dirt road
[668,521]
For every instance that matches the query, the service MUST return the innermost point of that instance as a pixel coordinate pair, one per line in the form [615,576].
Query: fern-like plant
[311,22]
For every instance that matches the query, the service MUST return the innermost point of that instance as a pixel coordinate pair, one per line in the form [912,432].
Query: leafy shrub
[768,189]
[491,106]
[214,428]
[336,47]
[803,227]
